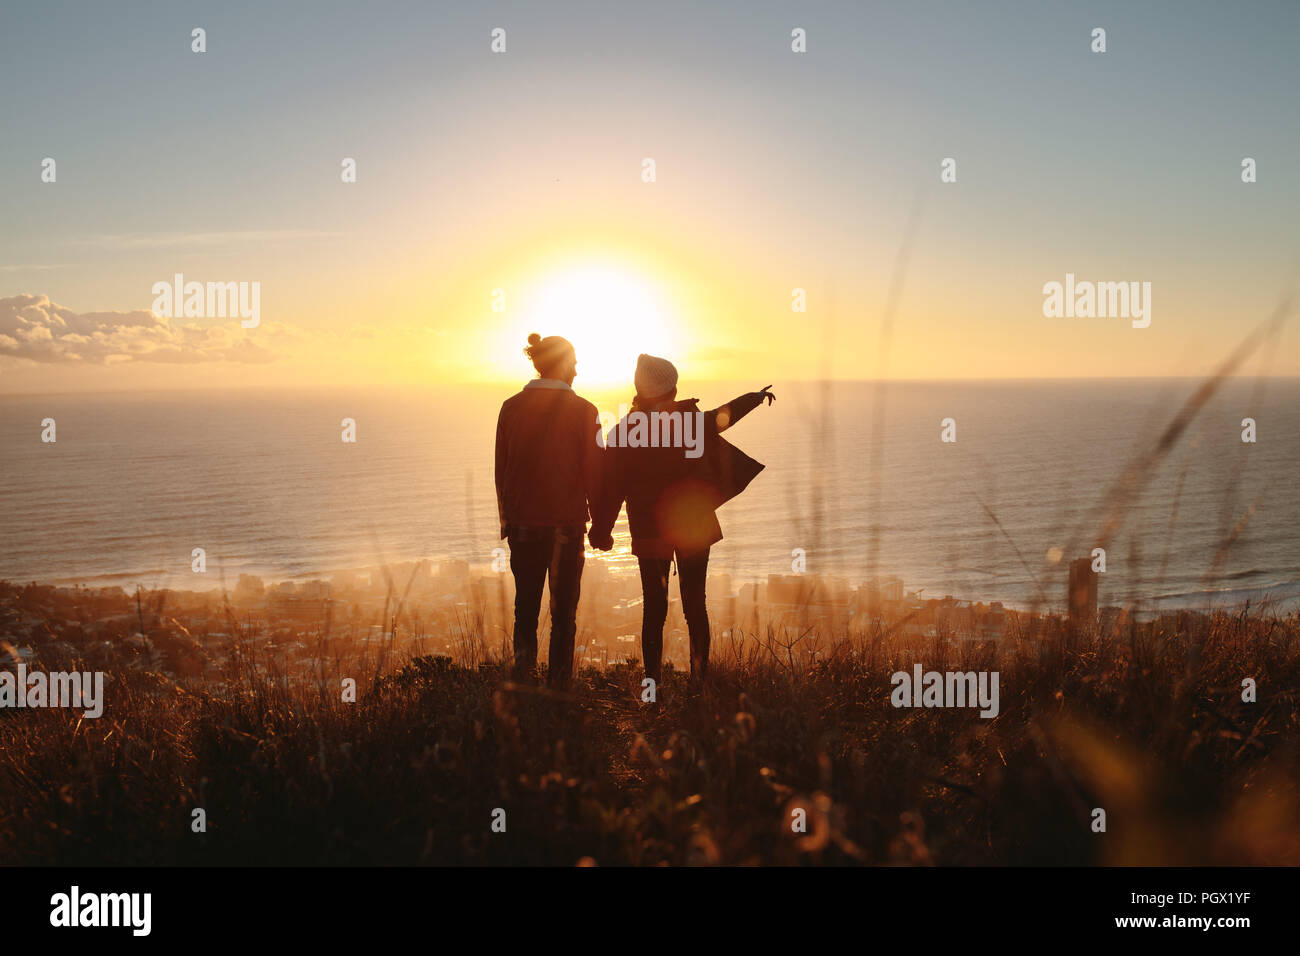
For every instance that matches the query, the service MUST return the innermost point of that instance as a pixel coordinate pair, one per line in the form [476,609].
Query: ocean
[263,483]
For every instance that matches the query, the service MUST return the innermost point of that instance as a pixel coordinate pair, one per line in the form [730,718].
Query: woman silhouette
[672,492]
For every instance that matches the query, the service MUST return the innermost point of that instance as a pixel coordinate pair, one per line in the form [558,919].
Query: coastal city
[451,609]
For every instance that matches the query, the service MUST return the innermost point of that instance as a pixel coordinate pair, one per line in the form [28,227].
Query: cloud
[34,328]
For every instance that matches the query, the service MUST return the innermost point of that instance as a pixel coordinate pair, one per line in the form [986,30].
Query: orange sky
[524,172]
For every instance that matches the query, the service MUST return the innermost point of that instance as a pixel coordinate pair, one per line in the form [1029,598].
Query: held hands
[601,542]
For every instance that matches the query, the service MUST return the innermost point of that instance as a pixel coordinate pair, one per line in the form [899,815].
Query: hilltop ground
[1148,725]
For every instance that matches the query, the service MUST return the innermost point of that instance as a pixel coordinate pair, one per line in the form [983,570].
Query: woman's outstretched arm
[724,416]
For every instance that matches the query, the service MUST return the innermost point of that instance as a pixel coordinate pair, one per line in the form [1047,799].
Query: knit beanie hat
[654,376]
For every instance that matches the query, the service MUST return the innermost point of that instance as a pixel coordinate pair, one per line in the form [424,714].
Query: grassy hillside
[1148,725]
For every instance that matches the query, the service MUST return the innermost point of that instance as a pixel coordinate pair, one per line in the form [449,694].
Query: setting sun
[609,312]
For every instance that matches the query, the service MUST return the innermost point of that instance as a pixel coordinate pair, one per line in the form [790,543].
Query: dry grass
[1148,725]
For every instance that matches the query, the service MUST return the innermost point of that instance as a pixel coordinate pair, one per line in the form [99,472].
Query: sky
[499,194]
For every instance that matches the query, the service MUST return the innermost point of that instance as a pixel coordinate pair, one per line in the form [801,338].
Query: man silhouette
[547,475]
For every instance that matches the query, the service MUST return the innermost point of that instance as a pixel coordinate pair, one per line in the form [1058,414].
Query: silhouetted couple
[554,469]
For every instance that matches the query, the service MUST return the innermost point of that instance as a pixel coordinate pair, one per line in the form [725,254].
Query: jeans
[535,555]
[692,572]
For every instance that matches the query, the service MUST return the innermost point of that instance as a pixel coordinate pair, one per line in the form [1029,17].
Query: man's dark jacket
[547,458]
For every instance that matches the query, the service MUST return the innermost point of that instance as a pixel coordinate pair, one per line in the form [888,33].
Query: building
[790,590]
[1081,597]
[249,589]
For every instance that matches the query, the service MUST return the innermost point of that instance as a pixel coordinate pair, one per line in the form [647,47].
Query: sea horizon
[578,385]
[253,475]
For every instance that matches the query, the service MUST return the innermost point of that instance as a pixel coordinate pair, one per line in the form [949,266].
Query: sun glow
[611,314]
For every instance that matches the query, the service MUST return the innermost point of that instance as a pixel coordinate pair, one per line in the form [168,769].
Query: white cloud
[34,328]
